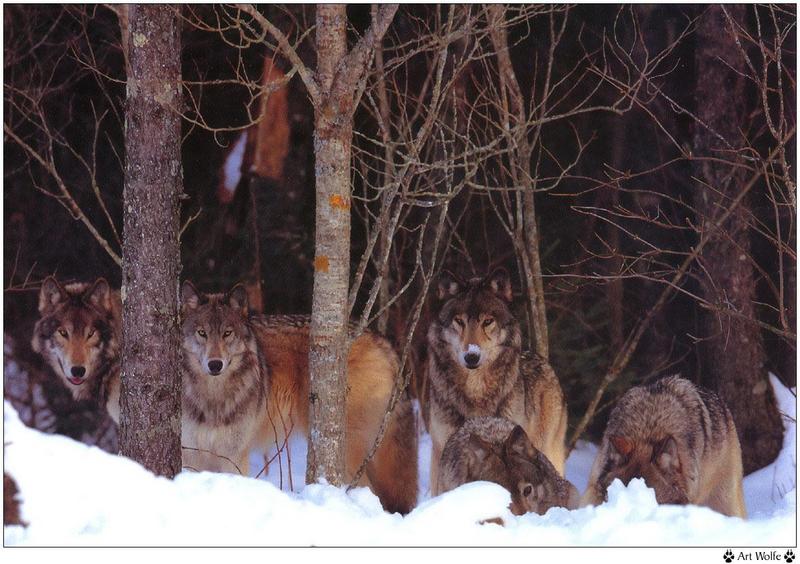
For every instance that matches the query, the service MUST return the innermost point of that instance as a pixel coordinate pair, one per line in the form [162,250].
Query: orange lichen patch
[321,263]
[337,202]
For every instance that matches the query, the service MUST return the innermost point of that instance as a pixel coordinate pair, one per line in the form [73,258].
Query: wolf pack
[494,412]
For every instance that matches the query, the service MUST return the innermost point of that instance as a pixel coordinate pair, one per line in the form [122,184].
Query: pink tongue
[76,381]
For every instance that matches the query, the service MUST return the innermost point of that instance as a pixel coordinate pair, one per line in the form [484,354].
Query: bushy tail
[393,470]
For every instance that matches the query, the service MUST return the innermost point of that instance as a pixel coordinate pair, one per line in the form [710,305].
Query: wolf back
[372,368]
[497,450]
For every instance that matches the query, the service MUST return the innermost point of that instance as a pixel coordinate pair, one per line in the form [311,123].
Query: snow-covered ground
[75,494]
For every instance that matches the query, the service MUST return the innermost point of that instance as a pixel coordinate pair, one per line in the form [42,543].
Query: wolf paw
[728,556]
[789,556]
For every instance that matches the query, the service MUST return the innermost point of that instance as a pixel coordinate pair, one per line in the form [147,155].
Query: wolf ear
[666,455]
[518,444]
[190,299]
[478,451]
[448,285]
[98,294]
[499,282]
[237,298]
[623,445]
[50,294]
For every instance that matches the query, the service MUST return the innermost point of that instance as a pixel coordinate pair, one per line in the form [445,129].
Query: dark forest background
[642,103]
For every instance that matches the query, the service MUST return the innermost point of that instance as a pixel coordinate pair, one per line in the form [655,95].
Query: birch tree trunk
[339,74]
[150,421]
[328,353]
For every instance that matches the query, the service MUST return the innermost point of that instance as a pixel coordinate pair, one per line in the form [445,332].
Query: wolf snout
[76,375]
[472,358]
[215,366]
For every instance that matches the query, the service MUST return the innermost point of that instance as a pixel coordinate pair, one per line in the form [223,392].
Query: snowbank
[75,494]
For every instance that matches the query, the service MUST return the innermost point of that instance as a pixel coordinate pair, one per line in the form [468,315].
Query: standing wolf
[475,368]
[246,385]
[678,437]
[78,334]
[497,450]
[224,382]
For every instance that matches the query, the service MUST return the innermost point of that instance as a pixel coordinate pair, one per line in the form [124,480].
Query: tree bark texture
[527,229]
[338,76]
[734,359]
[150,423]
[333,133]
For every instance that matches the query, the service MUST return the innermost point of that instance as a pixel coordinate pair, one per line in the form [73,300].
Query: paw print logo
[789,556]
[728,556]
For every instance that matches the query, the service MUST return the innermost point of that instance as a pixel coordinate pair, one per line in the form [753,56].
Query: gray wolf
[246,385]
[224,381]
[681,439]
[475,367]
[499,451]
[78,334]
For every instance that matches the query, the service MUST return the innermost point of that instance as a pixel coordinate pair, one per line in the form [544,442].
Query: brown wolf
[246,385]
[497,450]
[78,334]
[475,368]
[681,439]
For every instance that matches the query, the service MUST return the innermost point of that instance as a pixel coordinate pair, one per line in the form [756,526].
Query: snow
[78,495]
[765,488]
[232,170]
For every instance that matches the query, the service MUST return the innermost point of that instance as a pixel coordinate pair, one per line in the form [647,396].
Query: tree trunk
[150,423]
[333,133]
[527,227]
[734,357]
[338,76]
[789,364]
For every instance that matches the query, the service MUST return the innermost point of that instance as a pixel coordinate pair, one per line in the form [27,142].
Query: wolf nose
[215,366]
[471,359]
[78,371]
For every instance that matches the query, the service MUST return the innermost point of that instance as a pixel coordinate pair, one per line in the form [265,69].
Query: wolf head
[656,460]
[655,432]
[78,332]
[475,317]
[216,336]
[518,466]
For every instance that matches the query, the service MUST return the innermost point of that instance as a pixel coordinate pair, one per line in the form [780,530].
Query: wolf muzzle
[214,366]
[472,358]
[77,375]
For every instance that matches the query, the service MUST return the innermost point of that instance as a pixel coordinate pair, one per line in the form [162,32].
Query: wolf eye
[63,333]
[201,333]
[526,491]
[488,321]
[91,334]
[459,321]
[227,333]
